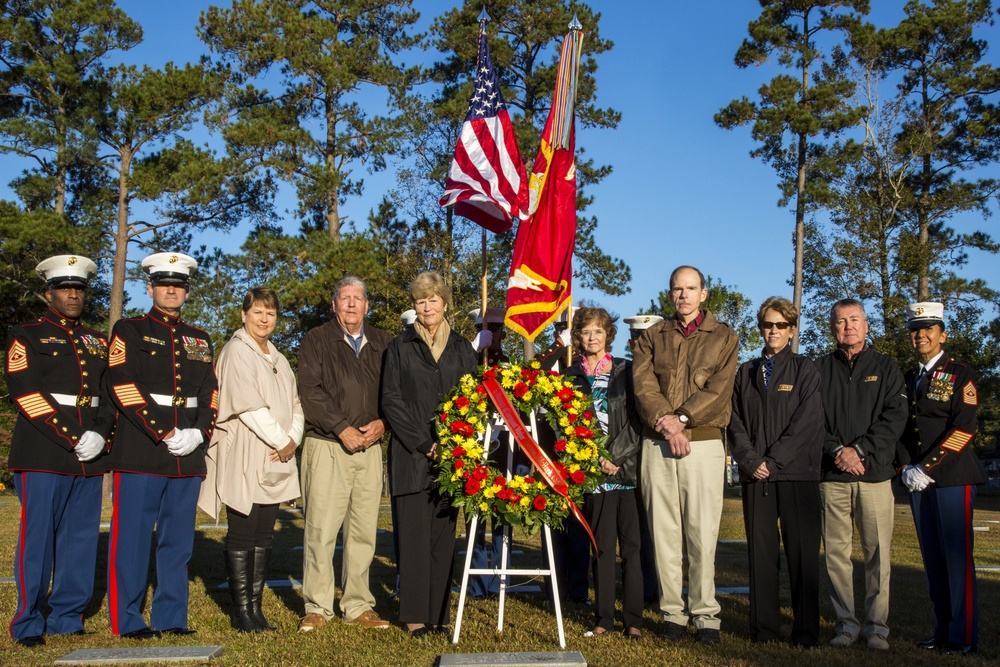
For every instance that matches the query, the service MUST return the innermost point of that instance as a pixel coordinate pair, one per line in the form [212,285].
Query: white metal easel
[503,571]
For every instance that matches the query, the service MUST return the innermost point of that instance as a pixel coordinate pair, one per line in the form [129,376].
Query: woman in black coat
[776,437]
[422,365]
[613,511]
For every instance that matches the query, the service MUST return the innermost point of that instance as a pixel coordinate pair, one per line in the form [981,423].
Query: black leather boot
[262,555]
[239,565]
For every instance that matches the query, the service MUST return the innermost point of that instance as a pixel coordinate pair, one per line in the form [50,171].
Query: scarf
[440,339]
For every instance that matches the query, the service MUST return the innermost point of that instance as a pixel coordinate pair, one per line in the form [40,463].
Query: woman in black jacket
[776,437]
[422,364]
[613,510]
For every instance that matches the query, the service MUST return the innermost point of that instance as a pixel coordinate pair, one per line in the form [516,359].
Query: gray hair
[349,280]
[846,303]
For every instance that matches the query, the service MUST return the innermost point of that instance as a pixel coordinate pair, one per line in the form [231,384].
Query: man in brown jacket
[340,366]
[684,369]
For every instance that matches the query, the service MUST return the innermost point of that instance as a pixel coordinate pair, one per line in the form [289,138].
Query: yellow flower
[554,402]
[506,383]
[573,467]
[483,507]
[527,396]
[447,406]
[525,501]
[463,411]
[473,419]
[490,491]
[535,365]
[571,447]
[564,422]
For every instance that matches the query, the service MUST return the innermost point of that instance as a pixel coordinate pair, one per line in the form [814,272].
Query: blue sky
[683,191]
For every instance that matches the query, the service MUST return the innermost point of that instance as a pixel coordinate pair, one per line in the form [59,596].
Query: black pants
[247,531]
[797,505]
[614,520]
[426,557]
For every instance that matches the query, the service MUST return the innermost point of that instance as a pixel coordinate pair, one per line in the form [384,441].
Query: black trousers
[797,506]
[426,557]
[247,531]
[614,520]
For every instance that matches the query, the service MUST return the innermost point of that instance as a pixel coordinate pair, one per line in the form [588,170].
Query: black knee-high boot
[262,555]
[239,565]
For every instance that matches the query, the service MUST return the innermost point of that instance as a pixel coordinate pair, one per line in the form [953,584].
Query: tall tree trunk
[923,220]
[800,233]
[332,198]
[121,242]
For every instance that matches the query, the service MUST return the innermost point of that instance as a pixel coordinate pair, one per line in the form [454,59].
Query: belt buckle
[178,401]
[84,401]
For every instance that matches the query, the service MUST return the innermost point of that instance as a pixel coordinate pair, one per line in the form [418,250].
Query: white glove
[89,446]
[915,478]
[565,336]
[185,441]
[482,340]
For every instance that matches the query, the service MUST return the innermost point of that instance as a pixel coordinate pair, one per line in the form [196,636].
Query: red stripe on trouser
[970,570]
[112,555]
[20,552]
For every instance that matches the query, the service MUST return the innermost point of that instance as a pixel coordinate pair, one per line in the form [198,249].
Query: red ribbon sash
[547,470]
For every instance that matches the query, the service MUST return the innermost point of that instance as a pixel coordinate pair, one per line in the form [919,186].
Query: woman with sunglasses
[776,437]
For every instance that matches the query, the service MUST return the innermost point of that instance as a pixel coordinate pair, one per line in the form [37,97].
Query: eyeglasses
[780,326]
[587,333]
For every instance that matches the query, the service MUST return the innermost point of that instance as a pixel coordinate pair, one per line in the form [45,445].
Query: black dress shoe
[30,642]
[179,631]
[958,649]
[142,633]
[709,636]
[419,632]
[83,632]
[931,644]
[674,632]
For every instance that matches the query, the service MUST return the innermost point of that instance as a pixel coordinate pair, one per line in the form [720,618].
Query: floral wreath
[521,500]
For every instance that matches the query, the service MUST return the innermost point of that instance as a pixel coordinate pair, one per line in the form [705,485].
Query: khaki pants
[683,499]
[339,489]
[872,505]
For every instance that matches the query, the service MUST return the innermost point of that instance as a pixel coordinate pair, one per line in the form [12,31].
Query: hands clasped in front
[183,441]
[672,430]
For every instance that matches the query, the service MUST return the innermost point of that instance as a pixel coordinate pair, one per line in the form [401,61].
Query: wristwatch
[684,418]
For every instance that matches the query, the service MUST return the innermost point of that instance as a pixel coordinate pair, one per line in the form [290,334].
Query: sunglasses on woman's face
[781,326]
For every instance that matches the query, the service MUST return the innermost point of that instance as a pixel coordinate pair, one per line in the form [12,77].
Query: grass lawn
[529,624]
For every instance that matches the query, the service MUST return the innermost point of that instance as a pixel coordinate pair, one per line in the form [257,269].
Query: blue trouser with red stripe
[943,517]
[57,542]
[140,503]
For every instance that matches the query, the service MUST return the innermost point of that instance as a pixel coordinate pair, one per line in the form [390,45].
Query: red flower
[491,374]
[500,481]
[480,389]
[443,417]
[578,477]
[462,428]
[565,394]
[529,480]
[540,503]
[462,402]
[563,470]
[481,473]
[573,417]
[584,432]
[458,451]
[472,487]
[520,389]
[459,464]
[560,445]
[588,415]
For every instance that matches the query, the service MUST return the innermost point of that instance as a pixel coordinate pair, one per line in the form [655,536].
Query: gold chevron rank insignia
[215,400]
[957,440]
[116,353]
[34,405]
[969,395]
[128,395]
[17,357]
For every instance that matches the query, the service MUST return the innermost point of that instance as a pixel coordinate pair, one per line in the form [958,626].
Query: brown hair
[780,304]
[584,315]
[265,296]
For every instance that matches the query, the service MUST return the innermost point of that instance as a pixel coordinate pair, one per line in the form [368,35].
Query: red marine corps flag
[541,273]
[487,183]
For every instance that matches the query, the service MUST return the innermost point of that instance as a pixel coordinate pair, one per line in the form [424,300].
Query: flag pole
[574,26]
[483,18]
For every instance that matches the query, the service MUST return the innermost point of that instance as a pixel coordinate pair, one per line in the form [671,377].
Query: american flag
[487,182]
